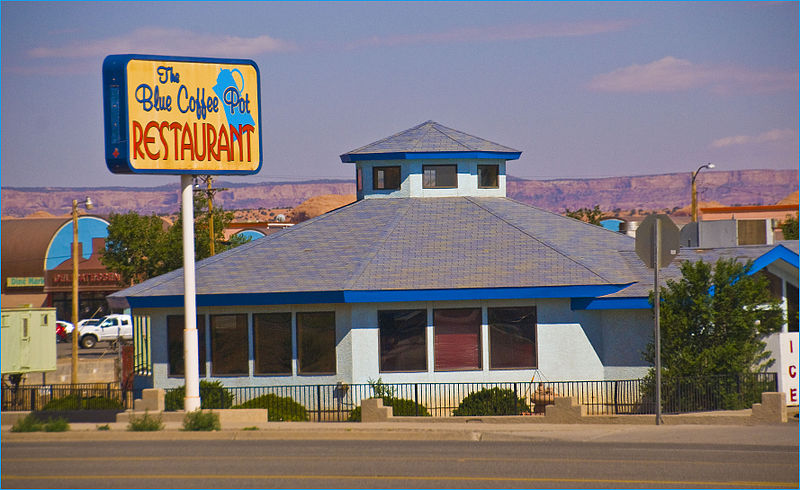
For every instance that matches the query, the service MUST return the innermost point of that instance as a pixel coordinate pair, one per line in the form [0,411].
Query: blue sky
[582,89]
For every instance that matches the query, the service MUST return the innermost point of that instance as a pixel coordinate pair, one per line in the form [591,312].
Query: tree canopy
[593,215]
[714,320]
[789,227]
[140,247]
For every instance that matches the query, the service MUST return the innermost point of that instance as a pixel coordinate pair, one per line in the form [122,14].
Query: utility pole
[209,192]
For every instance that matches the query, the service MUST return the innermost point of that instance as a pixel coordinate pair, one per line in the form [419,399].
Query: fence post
[319,403]
[516,406]
[416,400]
[616,407]
[33,399]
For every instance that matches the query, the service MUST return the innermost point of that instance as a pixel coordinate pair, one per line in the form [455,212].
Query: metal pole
[210,216]
[657,313]
[190,350]
[75,260]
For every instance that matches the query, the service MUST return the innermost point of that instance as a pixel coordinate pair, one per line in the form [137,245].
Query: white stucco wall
[411,178]
[571,345]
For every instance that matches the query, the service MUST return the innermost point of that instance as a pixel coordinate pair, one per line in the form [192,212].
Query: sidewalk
[781,435]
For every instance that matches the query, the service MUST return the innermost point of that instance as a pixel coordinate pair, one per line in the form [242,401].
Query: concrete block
[564,410]
[771,410]
[372,410]
[152,400]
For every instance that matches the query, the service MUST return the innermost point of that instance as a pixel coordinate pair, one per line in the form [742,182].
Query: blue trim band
[610,304]
[385,296]
[778,253]
[359,157]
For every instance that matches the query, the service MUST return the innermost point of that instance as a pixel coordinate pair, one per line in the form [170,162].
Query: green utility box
[28,340]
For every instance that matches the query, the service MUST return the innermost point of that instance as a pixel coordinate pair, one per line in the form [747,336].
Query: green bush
[400,407]
[76,402]
[494,401]
[279,408]
[27,424]
[212,395]
[104,427]
[145,423]
[201,421]
[59,424]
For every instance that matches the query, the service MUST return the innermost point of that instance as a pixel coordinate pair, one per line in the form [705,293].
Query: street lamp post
[75,259]
[694,189]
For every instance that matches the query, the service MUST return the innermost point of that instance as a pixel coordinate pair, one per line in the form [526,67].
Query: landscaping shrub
[104,427]
[29,423]
[494,401]
[76,402]
[279,408]
[59,424]
[145,423]
[199,420]
[212,395]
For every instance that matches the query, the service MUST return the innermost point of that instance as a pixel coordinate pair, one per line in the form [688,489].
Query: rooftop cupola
[431,160]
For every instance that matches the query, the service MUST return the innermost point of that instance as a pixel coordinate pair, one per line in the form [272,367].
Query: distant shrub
[279,408]
[494,401]
[201,421]
[212,395]
[145,423]
[76,402]
[104,427]
[59,424]
[29,423]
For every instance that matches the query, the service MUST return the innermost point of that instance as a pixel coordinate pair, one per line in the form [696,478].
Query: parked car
[89,322]
[111,328]
[63,330]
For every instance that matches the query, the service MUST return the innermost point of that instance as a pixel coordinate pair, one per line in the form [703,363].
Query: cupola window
[386,178]
[487,176]
[439,176]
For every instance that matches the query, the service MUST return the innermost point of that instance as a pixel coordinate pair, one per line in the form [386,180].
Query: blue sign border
[115,110]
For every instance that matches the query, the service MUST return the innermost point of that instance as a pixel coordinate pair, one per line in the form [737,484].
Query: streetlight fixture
[694,188]
[75,259]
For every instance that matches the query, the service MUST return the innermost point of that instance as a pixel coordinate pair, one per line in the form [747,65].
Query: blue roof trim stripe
[610,304]
[778,253]
[358,157]
[385,296]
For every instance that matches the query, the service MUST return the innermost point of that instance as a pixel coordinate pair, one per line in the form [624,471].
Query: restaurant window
[316,342]
[229,353]
[175,327]
[272,335]
[439,176]
[386,178]
[512,338]
[457,339]
[402,340]
[488,176]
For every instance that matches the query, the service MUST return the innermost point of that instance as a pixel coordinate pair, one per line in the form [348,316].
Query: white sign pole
[192,368]
[657,314]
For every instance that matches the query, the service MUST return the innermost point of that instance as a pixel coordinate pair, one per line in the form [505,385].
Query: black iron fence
[63,397]
[342,402]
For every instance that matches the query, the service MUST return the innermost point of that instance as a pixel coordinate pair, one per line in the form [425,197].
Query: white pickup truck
[111,328]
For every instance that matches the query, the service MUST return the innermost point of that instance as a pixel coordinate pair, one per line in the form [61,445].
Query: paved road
[266,463]
[102,349]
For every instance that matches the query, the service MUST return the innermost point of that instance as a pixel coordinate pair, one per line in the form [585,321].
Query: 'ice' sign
[181,115]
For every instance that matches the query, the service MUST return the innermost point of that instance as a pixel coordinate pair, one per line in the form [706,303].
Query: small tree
[713,322]
[789,227]
[592,216]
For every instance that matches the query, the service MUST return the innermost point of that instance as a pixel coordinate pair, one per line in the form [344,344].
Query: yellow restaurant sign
[182,115]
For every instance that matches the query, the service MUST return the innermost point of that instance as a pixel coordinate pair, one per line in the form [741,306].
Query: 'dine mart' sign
[167,115]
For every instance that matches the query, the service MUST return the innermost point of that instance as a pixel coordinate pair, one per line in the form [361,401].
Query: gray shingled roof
[644,285]
[414,244]
[430,137]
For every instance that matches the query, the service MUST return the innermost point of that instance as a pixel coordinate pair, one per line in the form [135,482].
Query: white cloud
[671,74]
[170,42]
[768,136]
[497,33]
